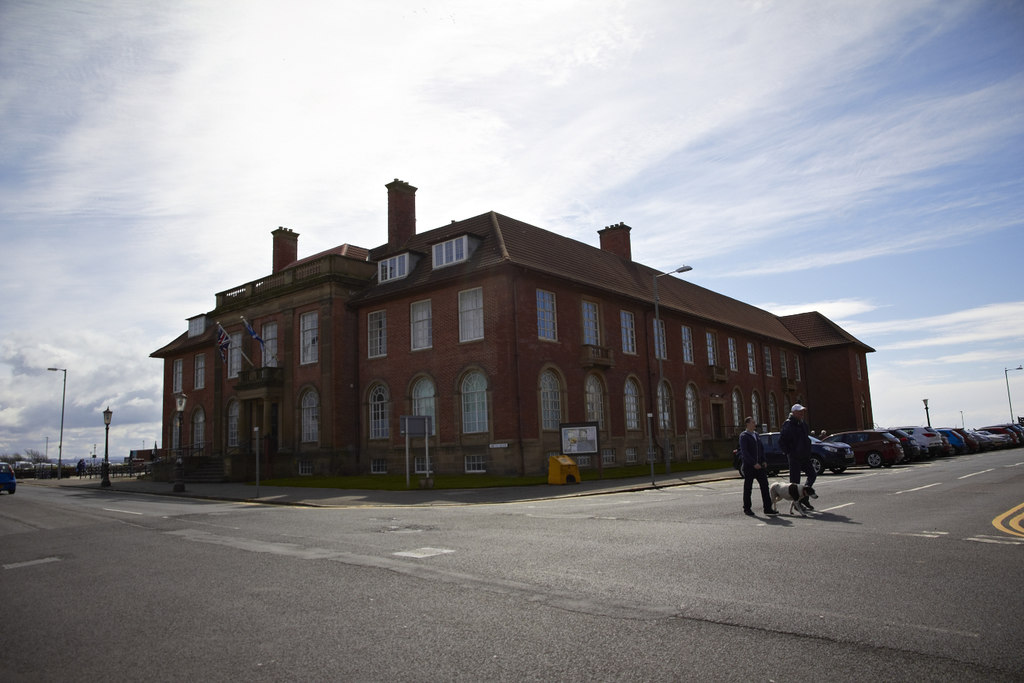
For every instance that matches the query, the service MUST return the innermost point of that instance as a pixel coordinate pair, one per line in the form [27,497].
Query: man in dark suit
[754,466]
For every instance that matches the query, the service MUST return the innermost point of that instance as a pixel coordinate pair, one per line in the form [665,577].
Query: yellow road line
[1011,522]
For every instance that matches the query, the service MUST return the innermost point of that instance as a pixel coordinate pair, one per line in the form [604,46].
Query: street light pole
[1006,376]
[107,414]
[659,351]
[63,396]
[927,417]
[179,465]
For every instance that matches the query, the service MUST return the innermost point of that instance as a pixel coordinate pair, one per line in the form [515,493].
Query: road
[900,574]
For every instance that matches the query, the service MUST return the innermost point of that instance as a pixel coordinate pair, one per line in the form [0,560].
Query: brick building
[500,332]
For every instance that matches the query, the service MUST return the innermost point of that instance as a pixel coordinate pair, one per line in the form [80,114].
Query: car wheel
[837,470]
[874,459]
[816,464]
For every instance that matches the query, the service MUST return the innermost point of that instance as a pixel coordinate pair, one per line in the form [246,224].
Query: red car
[871,447]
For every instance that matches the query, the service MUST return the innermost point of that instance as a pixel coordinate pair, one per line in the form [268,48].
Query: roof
[505,240]
[815,331]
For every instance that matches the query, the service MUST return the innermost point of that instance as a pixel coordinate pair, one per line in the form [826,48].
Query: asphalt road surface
[905,573]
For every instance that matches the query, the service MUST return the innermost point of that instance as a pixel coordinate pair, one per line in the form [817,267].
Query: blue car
[8,482]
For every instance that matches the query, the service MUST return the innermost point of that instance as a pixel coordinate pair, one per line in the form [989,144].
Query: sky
[863,159]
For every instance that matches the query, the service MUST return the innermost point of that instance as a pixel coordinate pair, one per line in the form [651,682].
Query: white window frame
[734,361]
[751,359]
[310,404]
[176,373]
[712,341]
[471,314]
[550,400]
[594,400]
[474,403]
[628,327]
[234,409]
[199,371]
[591,323]
[768,362]
[377,334]
[424,401]
[660,345]
[475,464]
[451,252]
[547,315]
[692,407]
[687,344]
[198,428]
[394,268]
[631,399]
[309,325]
[380,412]
[783,367]
[269,336]
[235,355]
[421,325]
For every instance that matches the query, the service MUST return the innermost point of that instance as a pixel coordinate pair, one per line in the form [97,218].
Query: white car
[928,438]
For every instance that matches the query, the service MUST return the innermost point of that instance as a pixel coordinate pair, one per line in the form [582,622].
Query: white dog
[793,493]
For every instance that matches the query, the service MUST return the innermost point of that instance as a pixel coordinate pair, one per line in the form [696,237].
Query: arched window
[380,403]
[310,416]
[423,401]
[198,428]
[773,414]
[594,400]
[664,406]
[755,408]
[632,398]
[550,400]
[176,432]
[692,407]
[737,407]
[474,403]
[232,424]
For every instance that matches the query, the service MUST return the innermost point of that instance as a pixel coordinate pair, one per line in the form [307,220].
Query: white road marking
[31,563]
[999,541]
[836,507]
[423,552]
[127,512]
[974,473]
[919,488]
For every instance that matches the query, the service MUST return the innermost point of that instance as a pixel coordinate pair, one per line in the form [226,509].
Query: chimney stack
[401,213]
[615,238]
[286,248]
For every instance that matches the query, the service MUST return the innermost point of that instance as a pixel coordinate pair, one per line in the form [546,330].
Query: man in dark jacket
[754,466]
[795,440]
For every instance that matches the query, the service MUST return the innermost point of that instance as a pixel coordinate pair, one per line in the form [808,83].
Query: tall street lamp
[1006,376]
[179,465]
[659,351]
[927,417]
[107,414]
[60,448]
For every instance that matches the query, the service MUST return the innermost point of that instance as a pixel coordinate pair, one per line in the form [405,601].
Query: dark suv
[871,447]
[835,457]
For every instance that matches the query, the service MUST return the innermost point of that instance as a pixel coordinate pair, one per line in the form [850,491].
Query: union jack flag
[223,342]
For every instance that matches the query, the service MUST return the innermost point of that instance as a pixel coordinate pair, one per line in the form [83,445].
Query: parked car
[871,447]
[911,448]
[998,440]
[928,438]
[973,445]
[835,457]
[8,482]
[956,441]
[1006,431]
[986,441]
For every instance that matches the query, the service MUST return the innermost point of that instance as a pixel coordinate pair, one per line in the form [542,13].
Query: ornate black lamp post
[179,465]
[107,414]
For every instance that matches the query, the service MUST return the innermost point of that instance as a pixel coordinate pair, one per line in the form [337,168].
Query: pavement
[321,497]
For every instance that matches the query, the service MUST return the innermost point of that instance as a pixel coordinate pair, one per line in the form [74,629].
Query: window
[176,375]
[659,339]
[379,466]
[377,334]
[737,407]
[773,414]
[471,314]
[305,468]
[196,326]
[198,429]
[755,408]
[394,268]
[692,407]
[594,401]
[632,399]
[687,345]
[232,425]
[422,326]
[269,334]
[310,333]
[380,403]
[310,417]
[474,403]
[796,368]
[664,407]
[712,342]
[783,370]
[751,359]
[235,355]
[176,432]
[452,251]
[767,361]
[423,401]
[631,455]
[608,456]
[475,464]
[734,363]
[420,464]
[550,400]
[628,332]
[546,326]
[199,374]
[591,329]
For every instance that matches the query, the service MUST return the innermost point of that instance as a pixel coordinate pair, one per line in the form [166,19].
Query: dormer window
[394,268]
[451,252]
